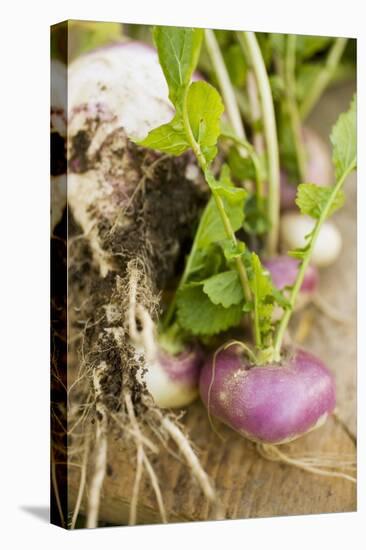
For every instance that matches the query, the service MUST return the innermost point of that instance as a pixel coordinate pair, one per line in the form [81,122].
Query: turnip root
[275,403]
[134,210]
[294,228]
[319,168]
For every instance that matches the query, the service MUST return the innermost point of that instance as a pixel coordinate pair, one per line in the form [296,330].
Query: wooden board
[247,485]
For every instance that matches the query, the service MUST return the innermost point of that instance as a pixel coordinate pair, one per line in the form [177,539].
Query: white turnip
[293,231]
[134,209]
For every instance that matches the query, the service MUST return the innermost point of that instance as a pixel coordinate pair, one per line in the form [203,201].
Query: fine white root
[155,484]
[82,483]
[136,485]
[186,449]
[143,338]
[55,489]
[330,466]
[101,447]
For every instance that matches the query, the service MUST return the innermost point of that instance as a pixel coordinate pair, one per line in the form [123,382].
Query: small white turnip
[293,229]
[172,380]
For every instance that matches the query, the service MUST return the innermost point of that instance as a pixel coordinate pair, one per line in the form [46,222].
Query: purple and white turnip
[275,403]
[172,379]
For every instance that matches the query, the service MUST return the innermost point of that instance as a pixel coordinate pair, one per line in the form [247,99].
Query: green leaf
[344,140]
[225,188]
[255,216]
[205,108]
[306,76]
[277,86]
[242,168]
[312,199]
[300,253]
[199,316]
[168,138]
[206,262]
[235,63]
[232,251]
[178,50]
[224,288]
[308,46]
[264,298]
[212,229]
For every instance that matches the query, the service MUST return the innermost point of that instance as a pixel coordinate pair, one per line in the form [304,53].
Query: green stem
[304,265]
[250,47]
[225,220]
[324,77]
[292,108]
[220,206]
[225,85]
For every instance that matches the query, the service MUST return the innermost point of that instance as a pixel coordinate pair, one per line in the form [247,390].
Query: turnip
[135,209]
[318,168]
[275,403]
[283,271]
[134,206]
[172,379]
[280,393]
[293,231]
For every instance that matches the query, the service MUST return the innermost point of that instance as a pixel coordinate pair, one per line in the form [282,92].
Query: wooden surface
[247,485]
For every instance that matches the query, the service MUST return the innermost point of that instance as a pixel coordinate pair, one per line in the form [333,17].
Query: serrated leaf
[199,316]
[299,253]
[242,168]
[262,288]
[344,140]
[213,229]
[232,251]
[168,138]
[255,216]
[224,288]
[178,50]
[233,198]
[205,108]
[265,296]
[312,199]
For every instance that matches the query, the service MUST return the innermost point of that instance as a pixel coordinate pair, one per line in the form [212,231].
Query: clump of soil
[132,215]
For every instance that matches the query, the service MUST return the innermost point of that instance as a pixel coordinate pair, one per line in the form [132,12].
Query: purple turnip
[275,403]
[284,269]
